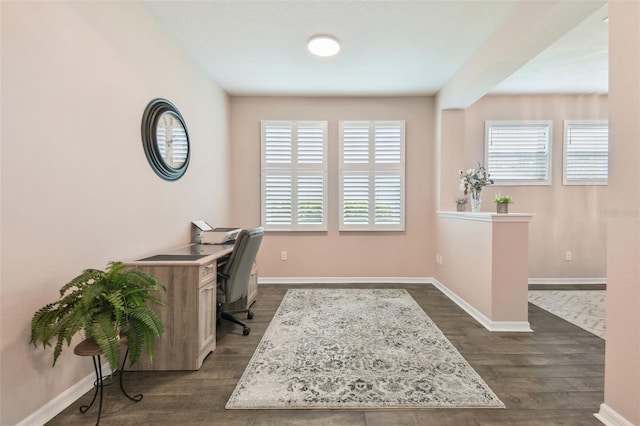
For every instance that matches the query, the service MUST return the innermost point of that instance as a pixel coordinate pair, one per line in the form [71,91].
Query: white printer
[207,234]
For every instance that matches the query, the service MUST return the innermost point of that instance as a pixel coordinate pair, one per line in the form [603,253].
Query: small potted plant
[107,305]
[461,204]
[502,203]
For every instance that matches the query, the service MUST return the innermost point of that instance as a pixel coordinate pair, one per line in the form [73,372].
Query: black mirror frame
[152,113]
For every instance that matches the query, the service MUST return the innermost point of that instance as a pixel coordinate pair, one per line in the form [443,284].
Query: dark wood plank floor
[554,376]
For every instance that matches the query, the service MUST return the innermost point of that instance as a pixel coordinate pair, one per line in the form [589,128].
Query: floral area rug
[357,348]
[585,308]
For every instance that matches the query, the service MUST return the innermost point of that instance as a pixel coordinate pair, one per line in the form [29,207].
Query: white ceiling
[407,47]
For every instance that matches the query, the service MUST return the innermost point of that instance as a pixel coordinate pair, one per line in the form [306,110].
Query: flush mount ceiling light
[323,45]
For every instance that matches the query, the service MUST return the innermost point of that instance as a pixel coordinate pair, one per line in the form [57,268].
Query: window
[586,153]
[518,153]
[372,159]
[294,175]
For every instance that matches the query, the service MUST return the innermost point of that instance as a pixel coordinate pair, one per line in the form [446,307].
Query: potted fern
[106,305]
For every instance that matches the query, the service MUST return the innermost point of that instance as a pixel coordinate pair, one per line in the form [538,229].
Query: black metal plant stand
[89,347]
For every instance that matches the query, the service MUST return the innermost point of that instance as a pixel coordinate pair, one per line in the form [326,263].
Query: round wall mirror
[165,139]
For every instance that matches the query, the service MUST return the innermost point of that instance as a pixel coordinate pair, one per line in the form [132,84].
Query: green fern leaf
[106,336]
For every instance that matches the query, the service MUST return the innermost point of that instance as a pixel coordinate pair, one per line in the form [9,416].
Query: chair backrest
[238,267]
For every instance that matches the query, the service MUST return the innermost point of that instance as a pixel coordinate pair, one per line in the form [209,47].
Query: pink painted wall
[466,260]
[622,364]
[509,276]
[567,218]
[450,153]
[333,253]
[562,213]
[77,191]
[484,262]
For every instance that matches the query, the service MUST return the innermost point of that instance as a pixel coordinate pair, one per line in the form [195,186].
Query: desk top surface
[192,254]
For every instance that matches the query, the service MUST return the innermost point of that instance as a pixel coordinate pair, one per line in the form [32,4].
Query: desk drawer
[207,272]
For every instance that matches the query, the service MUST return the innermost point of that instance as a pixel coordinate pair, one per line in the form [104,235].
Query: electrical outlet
[568,255]
[283,255]
[441,260]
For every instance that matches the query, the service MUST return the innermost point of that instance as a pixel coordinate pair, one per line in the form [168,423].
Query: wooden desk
[190,318]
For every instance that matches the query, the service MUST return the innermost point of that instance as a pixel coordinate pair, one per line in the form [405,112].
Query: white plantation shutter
[355,146]
[278,198]
[372,170]
[277,143]
[518,152]
[388,198]
[294,171]
[586,152]
[355,198]
[387,146]
[311,144]
[311,192]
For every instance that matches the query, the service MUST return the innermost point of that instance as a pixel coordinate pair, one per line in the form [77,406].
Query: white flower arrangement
[474,179]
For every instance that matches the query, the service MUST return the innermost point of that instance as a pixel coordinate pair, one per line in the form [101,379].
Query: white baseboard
[62,401]
[344,280]
[556,281]
[409,280]
[517,326]
[610,417]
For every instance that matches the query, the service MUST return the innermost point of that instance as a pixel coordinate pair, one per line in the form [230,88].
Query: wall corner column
[622,366]
[451,150]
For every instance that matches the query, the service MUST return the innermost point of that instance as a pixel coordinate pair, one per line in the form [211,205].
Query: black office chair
[233,275]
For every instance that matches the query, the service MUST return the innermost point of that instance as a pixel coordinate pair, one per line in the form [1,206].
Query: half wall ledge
[483,259]
[488,217]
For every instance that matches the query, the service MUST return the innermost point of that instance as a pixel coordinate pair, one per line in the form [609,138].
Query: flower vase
[476,200]
[461,207]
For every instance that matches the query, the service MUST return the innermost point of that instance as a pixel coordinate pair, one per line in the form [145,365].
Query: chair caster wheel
[250,315]
[246,331]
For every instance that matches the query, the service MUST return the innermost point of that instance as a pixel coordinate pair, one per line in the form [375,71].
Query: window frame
[372,169]
[567,124]
[520,123]
[295,170]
